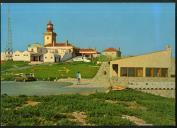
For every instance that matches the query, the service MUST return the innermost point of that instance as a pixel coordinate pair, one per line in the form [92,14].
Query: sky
[135,28]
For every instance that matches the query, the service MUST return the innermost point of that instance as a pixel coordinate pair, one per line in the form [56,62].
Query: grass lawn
[94,109]
[12,64]
[52,71]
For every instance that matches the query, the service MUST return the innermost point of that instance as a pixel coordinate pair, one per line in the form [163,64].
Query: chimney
[67,42]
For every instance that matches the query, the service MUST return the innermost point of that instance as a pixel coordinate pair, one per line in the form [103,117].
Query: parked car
[81,58]
[25,77]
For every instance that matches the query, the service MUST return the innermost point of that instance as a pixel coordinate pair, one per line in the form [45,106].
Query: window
[131,72]
[123,72]
[156,72]
[164,72]
[139,72]
[148,72]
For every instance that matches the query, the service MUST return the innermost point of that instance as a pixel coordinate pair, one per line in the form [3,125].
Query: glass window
[131,72]
[164,72]
[155,73]
[123,72]
[148,72]
[139,72]
[159,72]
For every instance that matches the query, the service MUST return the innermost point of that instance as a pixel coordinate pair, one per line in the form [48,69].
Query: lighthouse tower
[49,35]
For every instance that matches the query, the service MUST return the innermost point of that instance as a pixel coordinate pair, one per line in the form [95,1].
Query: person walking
[78,77]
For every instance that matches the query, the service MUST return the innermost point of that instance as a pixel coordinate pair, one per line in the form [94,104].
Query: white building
[112,52]
[21,56]
[2,56]
[50,52]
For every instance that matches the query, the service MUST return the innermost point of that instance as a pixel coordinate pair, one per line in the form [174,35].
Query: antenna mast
[9,50]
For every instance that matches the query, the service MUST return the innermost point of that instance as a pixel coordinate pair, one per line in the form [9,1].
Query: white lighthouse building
[50,51]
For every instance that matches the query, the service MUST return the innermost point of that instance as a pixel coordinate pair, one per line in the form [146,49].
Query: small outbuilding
[112,52]
[88,52]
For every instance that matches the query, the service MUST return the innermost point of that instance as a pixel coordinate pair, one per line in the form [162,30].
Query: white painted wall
[2,55]
[64,52]
[21,56]
[49,57]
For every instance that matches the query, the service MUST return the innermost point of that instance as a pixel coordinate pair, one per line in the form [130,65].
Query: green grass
[158,110]
[52,71]
[12,64]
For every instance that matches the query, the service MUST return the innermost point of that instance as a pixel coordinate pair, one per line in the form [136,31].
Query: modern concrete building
[155,64]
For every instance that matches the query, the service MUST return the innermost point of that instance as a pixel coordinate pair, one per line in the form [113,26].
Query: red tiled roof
[58,44]
[87,50]
[110,50]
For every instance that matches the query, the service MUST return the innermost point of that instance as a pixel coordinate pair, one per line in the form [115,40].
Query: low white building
[2,56]
[21,56]
[112,52]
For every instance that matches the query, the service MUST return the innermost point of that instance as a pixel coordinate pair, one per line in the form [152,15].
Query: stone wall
[158,86]
[164,93]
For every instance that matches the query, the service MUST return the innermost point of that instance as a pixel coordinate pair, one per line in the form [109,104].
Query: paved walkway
[85,83]
[100,80]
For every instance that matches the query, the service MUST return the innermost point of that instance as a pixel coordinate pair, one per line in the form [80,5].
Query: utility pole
[8,50]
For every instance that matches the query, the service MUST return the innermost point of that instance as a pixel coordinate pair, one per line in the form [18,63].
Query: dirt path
[129,104]
[28,103]
[137,121]
[80,117]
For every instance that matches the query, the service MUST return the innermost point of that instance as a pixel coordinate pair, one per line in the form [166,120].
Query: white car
[80,58]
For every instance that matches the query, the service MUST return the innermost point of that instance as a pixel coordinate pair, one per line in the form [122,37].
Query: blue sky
[135,28]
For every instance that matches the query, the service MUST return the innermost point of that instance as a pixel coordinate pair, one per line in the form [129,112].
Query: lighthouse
[50,35]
